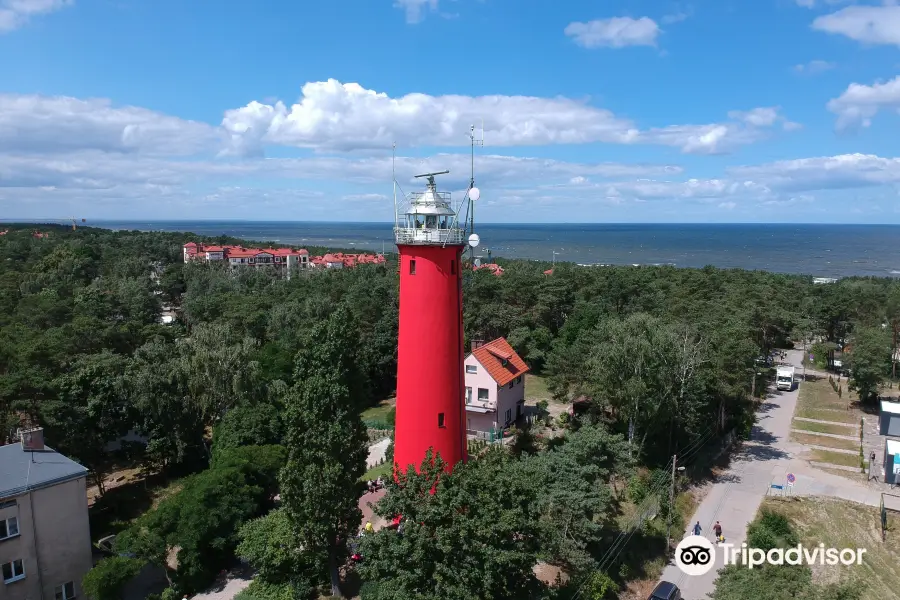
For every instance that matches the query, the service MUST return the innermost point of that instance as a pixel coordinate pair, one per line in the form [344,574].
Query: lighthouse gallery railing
[408,235]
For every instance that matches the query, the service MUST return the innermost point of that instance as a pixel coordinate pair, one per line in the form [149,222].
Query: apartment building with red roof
[280,258]
[495,387]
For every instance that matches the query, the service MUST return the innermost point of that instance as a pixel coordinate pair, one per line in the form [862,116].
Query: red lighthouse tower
[430,404]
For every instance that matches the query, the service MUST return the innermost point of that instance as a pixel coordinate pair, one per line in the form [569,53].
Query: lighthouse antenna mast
[470,206]
[394,179]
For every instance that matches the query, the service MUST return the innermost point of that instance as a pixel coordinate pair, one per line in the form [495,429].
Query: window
[468,395]
[519,379]
[7,504]
[65,591]
[13,571]
[471,369]
[511,384]
[508,415]
[412,267]
[483,395]
[453,267]
[440,419]
[9,528]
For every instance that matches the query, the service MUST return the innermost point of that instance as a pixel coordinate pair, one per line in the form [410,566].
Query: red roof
[501,361]
[494,268]
[548,272]
[241,252]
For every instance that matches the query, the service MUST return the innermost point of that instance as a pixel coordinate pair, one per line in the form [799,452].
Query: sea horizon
[815,249]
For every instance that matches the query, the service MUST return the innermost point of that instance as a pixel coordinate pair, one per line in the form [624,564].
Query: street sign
[791,479]
[777,487]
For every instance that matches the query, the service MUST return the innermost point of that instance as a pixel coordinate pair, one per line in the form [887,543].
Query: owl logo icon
[695,555]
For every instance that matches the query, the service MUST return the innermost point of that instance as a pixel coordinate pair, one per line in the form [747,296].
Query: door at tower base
[430,403]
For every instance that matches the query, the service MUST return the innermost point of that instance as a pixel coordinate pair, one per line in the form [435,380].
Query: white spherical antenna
[477,262]
[474,240]
[474,193]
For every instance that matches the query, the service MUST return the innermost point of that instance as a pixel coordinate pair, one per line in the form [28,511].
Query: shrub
[106,580]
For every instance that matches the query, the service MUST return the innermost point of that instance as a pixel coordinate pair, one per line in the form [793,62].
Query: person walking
[697,528]
[369,528]
[873,474]
[717,529]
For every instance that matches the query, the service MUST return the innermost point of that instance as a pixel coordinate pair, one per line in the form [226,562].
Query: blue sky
[612,111]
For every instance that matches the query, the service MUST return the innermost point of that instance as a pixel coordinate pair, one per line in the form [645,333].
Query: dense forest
[258,386]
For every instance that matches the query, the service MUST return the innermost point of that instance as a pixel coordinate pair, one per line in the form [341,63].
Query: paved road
[767,458]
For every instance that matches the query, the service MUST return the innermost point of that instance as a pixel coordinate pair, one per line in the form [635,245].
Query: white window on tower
[13,571]
[9,528]
[65,591]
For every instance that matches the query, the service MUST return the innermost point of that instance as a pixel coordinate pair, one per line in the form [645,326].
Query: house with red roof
[492,267]
[280,258]
[495,387]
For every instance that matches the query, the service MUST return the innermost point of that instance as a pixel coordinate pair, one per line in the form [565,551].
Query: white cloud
[865,24]
[16,13]
[61,124]
[97,170]
[616,32]
[92,184]
[347,117]
[814,67]
[859,103]
[826,172]
[415,9]
[331,116]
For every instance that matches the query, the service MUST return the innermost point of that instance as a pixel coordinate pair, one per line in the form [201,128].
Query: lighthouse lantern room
[430,354]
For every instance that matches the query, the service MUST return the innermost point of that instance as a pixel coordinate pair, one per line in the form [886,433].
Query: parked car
[665,590]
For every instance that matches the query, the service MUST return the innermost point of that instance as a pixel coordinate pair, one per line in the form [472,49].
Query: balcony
[408,235]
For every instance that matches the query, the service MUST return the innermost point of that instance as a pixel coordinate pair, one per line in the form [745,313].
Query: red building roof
[494,268]
[501,361]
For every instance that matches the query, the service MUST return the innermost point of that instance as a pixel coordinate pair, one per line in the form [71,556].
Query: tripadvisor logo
[696,555]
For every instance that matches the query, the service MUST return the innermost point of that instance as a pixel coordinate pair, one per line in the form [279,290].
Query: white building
[495,387]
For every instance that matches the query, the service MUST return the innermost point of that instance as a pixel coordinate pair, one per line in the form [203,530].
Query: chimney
[32,439]
[477,344]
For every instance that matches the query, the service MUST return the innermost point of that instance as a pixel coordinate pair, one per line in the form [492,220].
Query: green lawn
[826,414]
[376,472]
[821,440]
[379,412]
[843,524]
[834,429]
[536,388]
[819,394]
[835,458]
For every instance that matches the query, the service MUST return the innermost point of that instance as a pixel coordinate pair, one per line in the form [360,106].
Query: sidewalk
[767,458]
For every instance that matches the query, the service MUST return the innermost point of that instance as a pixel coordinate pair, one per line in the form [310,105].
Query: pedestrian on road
[369,528]
[717,529]
[873,474]
[697,528]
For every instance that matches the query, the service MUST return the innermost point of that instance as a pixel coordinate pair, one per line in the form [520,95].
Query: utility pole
[671,505]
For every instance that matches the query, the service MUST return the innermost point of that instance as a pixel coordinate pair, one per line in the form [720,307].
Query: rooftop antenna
[473,193]
[394,179]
